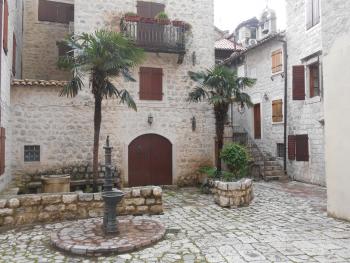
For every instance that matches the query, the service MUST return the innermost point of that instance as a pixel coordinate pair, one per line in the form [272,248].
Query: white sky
[229,13]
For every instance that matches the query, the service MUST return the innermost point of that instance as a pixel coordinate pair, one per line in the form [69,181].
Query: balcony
[156,37]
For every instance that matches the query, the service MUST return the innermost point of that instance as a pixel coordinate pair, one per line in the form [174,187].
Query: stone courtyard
[285,223]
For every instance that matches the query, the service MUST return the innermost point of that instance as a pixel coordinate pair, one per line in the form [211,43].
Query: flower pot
[148,20]
[163,21]
[132,18]
[178,23]
[55,183]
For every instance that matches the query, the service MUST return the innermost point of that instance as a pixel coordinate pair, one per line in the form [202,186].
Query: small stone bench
[233,194]
[45,208]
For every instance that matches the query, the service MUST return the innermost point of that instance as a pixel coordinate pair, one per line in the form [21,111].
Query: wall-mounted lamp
[150,119]
[266,97]
[194,123]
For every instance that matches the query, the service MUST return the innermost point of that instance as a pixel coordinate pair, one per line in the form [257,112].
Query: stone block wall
[15,28]
[44,208]
[39,38]
[305,117]
[233,194]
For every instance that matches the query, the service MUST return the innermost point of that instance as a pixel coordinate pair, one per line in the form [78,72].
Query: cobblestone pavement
[285,223]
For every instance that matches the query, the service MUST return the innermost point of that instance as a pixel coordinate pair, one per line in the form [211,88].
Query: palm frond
[73,87]
[125,98]
[197,95]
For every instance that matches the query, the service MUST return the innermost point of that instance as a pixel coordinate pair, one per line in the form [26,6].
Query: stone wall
[336,47]
[39,38]
[257,65]
[15,28]
[233,194]
[305,117]
[44,208]
[63,127]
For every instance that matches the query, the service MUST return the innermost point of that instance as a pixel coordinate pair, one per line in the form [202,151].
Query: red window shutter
[6,26]
[2,151]
[47,11]
[149,9]
[257,121]
[302,148]
[14,55]
[65,13]
[291,147]
[151,83]
[299,82]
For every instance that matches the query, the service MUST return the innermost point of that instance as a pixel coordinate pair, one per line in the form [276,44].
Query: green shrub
[212,173]
[162,16]
[236,158]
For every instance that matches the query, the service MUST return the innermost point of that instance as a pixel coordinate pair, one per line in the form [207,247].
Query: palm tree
[99,56]
[220,87]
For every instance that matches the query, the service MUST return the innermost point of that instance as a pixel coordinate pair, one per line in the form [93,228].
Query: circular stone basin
[85,237]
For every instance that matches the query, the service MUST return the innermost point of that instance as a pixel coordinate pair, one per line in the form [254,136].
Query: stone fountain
[97,237]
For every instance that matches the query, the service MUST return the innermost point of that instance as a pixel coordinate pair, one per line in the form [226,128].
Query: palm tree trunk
[220,117]
[97,128]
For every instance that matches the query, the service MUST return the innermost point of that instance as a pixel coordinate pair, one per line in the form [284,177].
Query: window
[14,55]
[314,77]
[2,151]
[298,148]
[151,83]
[149,9]
[55,12]
[299,82]
[32,153]
[280,150]
[277,61]
[312,13]
[257,121]
[277,111]
[6,27]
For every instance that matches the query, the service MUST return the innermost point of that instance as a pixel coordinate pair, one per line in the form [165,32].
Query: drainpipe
[285,61]
[1,5]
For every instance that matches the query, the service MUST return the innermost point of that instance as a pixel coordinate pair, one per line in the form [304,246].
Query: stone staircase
[263,165]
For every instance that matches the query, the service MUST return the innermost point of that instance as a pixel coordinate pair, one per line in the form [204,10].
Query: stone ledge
[45,208]
[233,194]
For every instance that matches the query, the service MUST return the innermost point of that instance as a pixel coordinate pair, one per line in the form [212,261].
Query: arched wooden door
[150,161]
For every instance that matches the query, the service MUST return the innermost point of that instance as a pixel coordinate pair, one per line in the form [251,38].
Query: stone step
[271,163]
[274,173]
[273,168]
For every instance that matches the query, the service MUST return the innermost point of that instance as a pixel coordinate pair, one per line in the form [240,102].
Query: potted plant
[178,23]
[237,159]
[162,18]
[131,17]
[148,20]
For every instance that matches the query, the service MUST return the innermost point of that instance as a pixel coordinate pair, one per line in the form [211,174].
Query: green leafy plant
[236,157]
[99,57]
[220,87]
[162,16]
[214,174]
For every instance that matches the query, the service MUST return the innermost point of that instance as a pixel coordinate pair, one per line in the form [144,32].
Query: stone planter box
[233,194]
[55,183]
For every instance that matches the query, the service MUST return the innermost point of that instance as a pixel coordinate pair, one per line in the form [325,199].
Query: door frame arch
[137,135]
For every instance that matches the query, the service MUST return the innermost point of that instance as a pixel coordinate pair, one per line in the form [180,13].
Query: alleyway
[285,223]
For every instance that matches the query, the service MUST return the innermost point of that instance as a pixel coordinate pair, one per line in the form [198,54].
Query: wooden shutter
[277,61]
[299,82]
[2,151]
[6,26]
[277,111]
[291,147]
[257,122]
[149,9]
[47,11]
[302,148]
[151,83]
[65,13]
[14,55]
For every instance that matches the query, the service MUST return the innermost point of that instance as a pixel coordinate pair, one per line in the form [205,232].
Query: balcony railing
[156,37]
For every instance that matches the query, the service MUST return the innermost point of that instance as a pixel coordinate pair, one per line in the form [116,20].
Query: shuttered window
[299,82]
[277,111]
[2,151]
[151,83]
[149,9]
[6,27]
[14,55]
[312,13]
[298,148]
[257,121]
[51,11]
[277,61]
[314,77]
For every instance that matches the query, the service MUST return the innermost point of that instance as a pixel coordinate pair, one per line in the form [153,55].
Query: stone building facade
[336,52]
[9,69]
[63,127]
[40,38]
[306,115]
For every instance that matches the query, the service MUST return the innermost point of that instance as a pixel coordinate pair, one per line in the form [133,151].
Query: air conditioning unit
[71,28]
[252,42]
